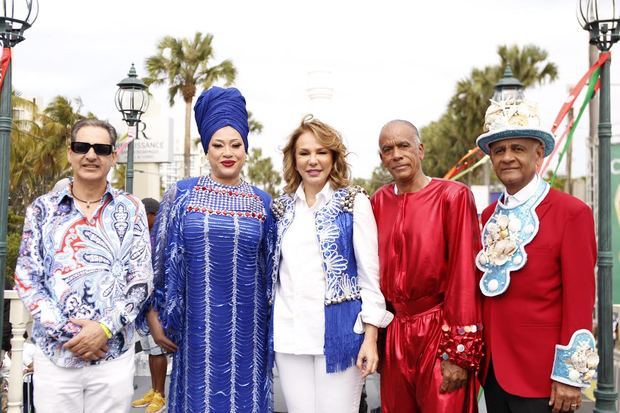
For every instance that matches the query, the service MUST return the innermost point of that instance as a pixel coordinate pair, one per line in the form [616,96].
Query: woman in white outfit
[326,297]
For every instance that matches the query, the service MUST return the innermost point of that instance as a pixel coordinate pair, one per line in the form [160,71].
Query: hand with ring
[564,398]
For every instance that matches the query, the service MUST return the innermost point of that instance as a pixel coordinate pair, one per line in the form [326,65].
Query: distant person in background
[28,363]
[5,356]
[155,399]
[327,303]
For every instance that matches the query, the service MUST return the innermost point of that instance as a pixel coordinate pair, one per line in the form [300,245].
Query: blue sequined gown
[211,247]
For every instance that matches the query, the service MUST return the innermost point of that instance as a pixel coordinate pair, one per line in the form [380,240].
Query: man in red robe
[538,258]
[428,240]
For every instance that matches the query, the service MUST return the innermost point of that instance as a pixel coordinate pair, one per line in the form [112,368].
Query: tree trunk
[188,144]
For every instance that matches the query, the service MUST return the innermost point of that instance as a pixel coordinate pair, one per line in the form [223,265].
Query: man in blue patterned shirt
[84,271]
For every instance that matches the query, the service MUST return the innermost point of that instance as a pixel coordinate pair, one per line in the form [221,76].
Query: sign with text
[154,143]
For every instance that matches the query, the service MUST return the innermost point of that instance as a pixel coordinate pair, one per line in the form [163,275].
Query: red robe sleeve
[461,341]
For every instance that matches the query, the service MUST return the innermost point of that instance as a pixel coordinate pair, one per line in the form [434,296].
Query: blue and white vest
[334,227]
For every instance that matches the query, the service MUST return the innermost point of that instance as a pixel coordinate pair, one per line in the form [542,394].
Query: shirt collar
[66,192]
[525,193]
[325,193]
[430,179]
[63,194]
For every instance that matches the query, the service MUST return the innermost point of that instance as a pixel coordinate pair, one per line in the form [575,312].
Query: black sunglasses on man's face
[101,149]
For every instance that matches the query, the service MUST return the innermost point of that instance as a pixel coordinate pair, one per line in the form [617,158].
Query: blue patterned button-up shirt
[73,267]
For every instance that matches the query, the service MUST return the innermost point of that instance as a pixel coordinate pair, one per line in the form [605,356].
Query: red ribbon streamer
[130,137]
[558,142]
[4,63]
[570,100]
[462,164]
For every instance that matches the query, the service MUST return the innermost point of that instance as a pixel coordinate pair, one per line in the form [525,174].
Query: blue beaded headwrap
[217,108]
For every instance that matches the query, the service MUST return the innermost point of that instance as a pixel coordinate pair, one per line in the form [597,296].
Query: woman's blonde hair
[328,137]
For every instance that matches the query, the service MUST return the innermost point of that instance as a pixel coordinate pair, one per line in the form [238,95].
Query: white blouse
[299,305]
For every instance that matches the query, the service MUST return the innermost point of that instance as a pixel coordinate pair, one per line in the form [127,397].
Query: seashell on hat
[513,119]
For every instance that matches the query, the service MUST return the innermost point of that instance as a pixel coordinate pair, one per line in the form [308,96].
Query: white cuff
[379,321]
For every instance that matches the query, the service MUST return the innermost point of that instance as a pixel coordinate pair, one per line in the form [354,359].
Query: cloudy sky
[388,59]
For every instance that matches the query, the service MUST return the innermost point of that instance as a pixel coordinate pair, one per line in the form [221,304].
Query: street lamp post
[132,100]
[16,17]
[602,20]
[508,87]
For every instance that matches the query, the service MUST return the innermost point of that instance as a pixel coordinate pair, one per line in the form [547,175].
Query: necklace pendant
[87,204]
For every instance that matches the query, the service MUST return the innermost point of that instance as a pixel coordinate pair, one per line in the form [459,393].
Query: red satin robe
[428,241]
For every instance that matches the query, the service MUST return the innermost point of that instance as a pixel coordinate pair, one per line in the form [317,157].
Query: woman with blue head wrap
[210,257]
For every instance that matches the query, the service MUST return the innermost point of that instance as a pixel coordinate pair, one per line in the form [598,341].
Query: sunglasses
[101,149]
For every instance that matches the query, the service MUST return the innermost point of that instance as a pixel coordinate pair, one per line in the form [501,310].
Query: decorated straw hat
[513,119]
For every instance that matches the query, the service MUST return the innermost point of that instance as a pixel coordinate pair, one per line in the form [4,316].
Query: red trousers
[411,370]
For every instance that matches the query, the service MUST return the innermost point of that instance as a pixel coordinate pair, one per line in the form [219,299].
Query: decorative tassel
[342,344]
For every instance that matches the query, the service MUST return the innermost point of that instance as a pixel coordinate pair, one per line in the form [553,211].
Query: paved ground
[142,382]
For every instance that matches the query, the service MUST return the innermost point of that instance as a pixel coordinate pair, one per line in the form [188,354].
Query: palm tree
[260,172]
[529,64]
[450,137]
[255,125]
[184,64]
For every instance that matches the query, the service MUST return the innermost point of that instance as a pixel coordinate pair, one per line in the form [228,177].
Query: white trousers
[101,388]
[308,388]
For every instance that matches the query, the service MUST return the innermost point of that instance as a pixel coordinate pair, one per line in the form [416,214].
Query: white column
[19,319]
[321,93]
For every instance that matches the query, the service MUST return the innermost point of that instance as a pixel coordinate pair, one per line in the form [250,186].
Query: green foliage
[380,176]
[39,141]
[13,242]
[118,176]
[559,182]
[15,225]
[184,65]
[447,139]
[260,172]
[255,126]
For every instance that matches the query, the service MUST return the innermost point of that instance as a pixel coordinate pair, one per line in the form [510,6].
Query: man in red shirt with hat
[538,258]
